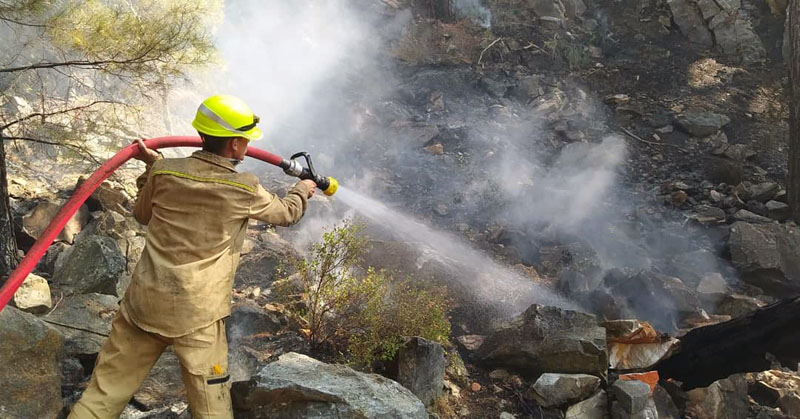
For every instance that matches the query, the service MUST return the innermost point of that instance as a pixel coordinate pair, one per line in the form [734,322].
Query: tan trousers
[130,353]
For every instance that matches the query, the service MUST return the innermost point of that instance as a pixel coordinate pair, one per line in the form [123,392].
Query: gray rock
[734,33]
[36,221]
[722,169]
[595,407]
[691,23]
[764,192]
[778,211]
[751,217]
[659,299]
[260,266]
[109,197]
[665,406]
[712,283]
[552,390]
[163,385]
[712,215]
[47,264]
[247,318]
[726,398]
[72,374]
[297,386]
[494,87]
[94,264]
[420,368]
[701,124]
[630,398]
[414,133]
[736,305]
[768,256]
[31,374]
[548,339]
[93,313]
[736,152]
[790,404]
[33,295]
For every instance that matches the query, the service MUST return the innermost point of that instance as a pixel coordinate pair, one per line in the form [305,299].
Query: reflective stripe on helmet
[224,124]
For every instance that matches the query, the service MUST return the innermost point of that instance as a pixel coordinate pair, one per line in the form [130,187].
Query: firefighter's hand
[145,154]
[312,186]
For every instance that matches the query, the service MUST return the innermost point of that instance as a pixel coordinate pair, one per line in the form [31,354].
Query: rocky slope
[628,155]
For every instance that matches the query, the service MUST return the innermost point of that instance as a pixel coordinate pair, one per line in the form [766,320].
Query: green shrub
[403,309]
[363,313]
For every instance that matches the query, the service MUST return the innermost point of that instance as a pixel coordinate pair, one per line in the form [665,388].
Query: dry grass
[434,42]
[443,407]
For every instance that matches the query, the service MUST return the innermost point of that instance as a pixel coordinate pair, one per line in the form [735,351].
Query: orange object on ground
[650,378]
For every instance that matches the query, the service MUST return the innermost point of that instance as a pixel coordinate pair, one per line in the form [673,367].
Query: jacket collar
[215,159]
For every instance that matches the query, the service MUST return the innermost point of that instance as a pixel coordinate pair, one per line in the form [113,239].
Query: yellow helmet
[226,116]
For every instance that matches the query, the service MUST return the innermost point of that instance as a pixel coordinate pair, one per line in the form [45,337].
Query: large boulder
[724,23]
[690,21]
[726,398]
[297,386]
[662,300]
[84,321]
[261,265]
[548,339]
[552,390]
[108,196]
[595,407]
[701,124]
[29,352]
[247,318]
[420,368]
[758,395]
[36,221]
[768,256]
[47,264]
[33,295]
[733,31]
[93,264]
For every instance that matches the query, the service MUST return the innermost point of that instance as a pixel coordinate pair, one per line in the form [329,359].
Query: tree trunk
[710,353]
[793,182]
[8,244]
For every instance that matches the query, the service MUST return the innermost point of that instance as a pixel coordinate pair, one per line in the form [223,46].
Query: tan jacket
[196,209]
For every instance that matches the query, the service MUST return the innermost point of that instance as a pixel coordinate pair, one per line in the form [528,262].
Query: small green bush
[363,313]
[403,309]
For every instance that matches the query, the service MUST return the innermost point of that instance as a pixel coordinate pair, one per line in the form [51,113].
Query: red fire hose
[86,189]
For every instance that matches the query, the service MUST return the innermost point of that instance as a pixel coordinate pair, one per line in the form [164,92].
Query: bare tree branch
[81,151]
[16,22]
[59,112]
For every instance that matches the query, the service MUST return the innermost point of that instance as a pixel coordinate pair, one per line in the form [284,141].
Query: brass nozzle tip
[332,188]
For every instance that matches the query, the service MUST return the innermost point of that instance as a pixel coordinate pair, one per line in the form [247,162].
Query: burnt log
[714,352]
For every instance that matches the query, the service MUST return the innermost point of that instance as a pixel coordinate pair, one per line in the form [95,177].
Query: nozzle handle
[292,167]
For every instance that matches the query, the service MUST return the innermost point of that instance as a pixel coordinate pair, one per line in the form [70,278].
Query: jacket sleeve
[267,207]
[143,208]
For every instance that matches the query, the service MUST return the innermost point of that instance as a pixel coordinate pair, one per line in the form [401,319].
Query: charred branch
[740,345]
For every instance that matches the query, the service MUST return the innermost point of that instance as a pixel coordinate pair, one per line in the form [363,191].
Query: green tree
[77,71]
[363,311]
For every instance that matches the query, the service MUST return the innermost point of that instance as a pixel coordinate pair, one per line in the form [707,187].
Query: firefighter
[196,210]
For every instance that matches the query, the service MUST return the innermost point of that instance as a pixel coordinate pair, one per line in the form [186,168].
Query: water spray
[291,167]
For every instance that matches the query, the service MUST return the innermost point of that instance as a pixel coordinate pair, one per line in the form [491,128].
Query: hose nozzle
[292,167]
